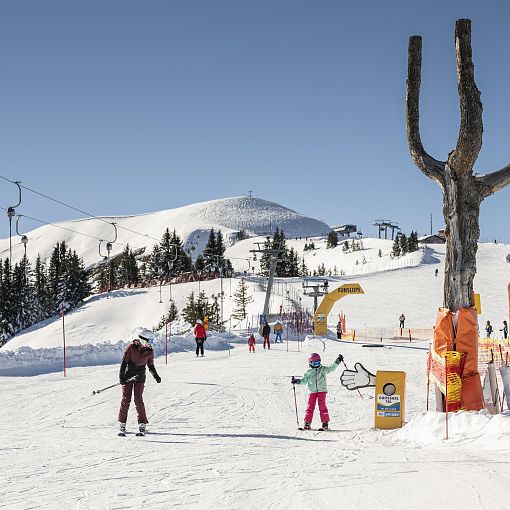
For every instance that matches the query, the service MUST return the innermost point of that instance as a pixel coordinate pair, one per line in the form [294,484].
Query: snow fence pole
[295,404]
[64,339]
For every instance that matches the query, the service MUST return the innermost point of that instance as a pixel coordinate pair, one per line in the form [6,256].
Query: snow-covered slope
[223,435]
[192,223]
[407,285]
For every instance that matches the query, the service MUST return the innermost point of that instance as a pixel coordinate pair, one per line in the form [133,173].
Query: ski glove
[295,380]
[152,370]
[122,373]
[339,359]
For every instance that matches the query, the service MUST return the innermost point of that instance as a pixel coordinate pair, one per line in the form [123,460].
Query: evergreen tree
[303,270]
[128,273]
[214,313]
[242,300]
[211,251]
[183,263]
[7,312]
[170,316]
[412,242]
[403,244]
[395,250]
[189,312]
[321,270]
[332,240]
[41,296]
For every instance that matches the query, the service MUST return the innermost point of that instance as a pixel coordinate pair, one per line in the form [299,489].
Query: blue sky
[124,107]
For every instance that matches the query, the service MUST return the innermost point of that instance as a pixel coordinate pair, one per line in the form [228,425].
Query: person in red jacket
[251,343]
[200,336]
[137,355]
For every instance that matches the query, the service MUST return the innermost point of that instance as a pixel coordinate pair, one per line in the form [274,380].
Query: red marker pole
[64,337]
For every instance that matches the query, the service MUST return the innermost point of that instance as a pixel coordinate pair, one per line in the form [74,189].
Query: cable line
[59,226]
[78,210]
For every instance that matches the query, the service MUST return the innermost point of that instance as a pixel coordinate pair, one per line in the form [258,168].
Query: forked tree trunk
[462,192]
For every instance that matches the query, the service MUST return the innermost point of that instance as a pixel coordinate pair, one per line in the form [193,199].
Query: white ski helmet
[200,322]
[145,336]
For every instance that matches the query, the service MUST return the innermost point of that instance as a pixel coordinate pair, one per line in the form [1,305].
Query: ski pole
[359,392]
[130,380]
[295,404]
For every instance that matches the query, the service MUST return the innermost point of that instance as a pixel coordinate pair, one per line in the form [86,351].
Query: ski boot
[308,426]
[325,426]
[141,429]
[122,429]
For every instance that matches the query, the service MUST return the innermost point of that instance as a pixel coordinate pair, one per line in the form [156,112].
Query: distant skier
[200,337]
[505,330]
[436,272]
[278,329]
[251,343]
[266,331]
[317,388]
[137,355]
[402,320]
[339,330]
[488,329]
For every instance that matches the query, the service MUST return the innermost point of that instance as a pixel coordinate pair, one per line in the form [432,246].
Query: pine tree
[403,244]
[321,270]
[303,270]
[189,312]
[242,300]
[412,242]
[8,313]
[170,316]
[211,251]
[214,313]
[332,240]
[395,250]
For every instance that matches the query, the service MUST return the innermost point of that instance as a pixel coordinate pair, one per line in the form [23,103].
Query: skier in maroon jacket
[137,355]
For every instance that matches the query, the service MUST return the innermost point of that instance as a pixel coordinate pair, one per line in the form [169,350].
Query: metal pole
[166,343]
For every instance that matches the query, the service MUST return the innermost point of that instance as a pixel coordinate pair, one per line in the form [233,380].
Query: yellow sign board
[321,314]
[478,303]
[390,388]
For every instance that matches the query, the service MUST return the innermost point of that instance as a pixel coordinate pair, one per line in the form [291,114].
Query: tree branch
[427,164]
[469,141]
[493,182]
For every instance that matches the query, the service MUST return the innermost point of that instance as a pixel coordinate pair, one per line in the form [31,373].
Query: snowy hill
[192,223]
[391,286]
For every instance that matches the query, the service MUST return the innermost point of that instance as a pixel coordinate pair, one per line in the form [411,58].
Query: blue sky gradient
[124,107]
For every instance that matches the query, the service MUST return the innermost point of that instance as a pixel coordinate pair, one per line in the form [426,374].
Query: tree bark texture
[462,192]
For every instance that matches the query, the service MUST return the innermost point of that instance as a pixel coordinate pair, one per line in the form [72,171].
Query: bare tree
[463,192]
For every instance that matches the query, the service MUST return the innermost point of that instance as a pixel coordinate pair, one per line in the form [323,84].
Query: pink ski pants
[127,390]
[319,397]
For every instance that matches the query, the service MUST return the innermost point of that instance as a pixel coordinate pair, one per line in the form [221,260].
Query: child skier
[138,354]
[251,343]
[317,388]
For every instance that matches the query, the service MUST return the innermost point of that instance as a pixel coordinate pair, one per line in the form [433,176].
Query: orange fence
[376,334]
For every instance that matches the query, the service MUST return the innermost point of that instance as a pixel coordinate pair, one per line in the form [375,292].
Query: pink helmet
[314,360]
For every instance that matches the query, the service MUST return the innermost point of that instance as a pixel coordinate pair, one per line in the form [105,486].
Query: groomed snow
[222,434]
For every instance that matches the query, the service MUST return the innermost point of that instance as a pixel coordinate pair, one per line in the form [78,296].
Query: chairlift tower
[318,288]
[274,254]
[384,225]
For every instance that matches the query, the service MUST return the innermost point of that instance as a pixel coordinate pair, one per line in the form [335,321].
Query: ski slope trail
[223,435]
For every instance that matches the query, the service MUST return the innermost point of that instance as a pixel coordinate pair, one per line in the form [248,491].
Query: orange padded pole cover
[443,331]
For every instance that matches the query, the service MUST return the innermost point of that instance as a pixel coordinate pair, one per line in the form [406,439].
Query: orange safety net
[445,370]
